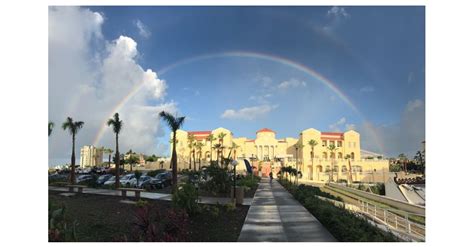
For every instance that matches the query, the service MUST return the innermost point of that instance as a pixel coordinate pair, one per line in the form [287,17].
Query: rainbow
[240,54]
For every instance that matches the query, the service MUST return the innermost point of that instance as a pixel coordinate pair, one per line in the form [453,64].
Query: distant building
[91,156]
[271,153]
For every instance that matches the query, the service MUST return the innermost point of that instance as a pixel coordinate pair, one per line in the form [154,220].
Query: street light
[234,164]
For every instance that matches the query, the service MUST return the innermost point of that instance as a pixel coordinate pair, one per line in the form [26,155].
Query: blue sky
[374,55]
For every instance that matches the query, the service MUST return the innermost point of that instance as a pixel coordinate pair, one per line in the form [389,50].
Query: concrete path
[277,217]
[150,195]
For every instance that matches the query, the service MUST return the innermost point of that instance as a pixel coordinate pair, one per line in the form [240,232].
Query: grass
[105,218]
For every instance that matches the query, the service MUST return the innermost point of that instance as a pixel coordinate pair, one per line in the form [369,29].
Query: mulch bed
[105,218]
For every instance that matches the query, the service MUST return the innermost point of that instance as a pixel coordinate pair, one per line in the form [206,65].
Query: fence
[402,225]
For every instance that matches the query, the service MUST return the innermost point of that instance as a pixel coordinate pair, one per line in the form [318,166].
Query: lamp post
[234,164]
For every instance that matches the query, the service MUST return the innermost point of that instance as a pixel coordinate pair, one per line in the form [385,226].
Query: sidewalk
[150,195]
[277,217]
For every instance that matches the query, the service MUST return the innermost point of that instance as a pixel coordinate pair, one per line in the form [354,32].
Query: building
[91,156]
[269,153]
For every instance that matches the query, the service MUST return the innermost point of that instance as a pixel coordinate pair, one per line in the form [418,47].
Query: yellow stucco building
[270,153]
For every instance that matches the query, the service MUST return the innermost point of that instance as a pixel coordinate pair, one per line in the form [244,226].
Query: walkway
[277,217]
[150,195]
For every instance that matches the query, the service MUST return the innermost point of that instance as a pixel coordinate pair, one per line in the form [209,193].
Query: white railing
[392,220]
[399,224]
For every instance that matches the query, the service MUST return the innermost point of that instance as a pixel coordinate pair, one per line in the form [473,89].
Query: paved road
[150,195]
[276,216]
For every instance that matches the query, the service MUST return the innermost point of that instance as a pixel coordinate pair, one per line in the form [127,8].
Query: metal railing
[392,220]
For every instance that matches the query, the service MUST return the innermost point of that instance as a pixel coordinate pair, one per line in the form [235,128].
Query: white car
[83,178]
[110,181]
[129,180]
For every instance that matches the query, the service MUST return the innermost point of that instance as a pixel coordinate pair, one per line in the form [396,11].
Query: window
[339,155]
[331,143]
[325,143]
[352,155]
[339,143]
[348,144]
[336,168]
[333,155]
[327,169]
[344,169]
[325,155]
[355,145]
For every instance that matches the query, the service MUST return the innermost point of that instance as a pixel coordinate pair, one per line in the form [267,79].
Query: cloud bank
[89,76]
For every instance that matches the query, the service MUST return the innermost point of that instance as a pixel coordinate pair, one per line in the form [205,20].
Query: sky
[242,68]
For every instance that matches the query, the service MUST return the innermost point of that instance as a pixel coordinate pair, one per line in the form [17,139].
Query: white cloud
[248,113]
[291,83]
[89,76]
[335,126]
[336,16]
[367,89]
[338,12]
[142,29]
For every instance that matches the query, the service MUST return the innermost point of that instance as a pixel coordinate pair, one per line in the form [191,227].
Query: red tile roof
[206,132]
[265,130]
[250,140]
[332,133]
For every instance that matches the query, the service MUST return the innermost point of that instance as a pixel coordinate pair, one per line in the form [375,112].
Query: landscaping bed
[104,218]
[344,225]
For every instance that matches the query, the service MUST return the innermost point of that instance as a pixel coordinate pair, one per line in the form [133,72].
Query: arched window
[344,168]
[339,155]
[336,168]
[352,155]
[325,155]
[328,169]
[333,155]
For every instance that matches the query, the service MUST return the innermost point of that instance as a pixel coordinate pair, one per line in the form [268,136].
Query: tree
[221,141]
[116,125]
[132,160]
[218,147]
[73,128]
[210,138]
[297,146]
[50,128]
[404,160]
[234,148]
[199,146]
[191,140]
[332,150]
[174,123]
[109,152]
[312,143]
[348,158]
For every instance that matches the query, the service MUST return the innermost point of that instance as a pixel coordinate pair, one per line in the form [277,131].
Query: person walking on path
[271,177]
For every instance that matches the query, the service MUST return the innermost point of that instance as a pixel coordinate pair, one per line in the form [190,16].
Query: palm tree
[234,148]
[348,158]
[297,146]
[116,124]
[403,158]
[174,123]
[221,141]
[191,140]
[73,128]
[50,128]
[218,147]
[199,146]
[210,138]
[332,150]
[109,152]
[312,143]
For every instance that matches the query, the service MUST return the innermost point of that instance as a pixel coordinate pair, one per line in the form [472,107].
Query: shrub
[229,207]
[343,225]
[59,229]
[214,211]
[220,181]
[186,198]
[249,181]
[142,203]
[151,225]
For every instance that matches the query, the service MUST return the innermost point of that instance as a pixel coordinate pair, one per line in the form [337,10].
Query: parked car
[104,178]
[162,180]
[111,181]
[129,180]
[144,182]
[83,178]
